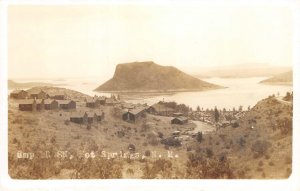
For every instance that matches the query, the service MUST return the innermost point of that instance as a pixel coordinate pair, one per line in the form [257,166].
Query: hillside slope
[244,71]
[260,147]
[280,79]
[151,77]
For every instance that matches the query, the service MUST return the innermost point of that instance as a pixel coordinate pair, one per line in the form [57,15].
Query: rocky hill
[151,77]
[280,79]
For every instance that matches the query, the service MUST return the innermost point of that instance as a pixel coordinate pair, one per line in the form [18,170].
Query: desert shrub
[88,126]
[77,136]
[242,141]
[120,134]
[160,135]
[171,142]
[209,152]
[260,147]
[129,171]
[152,139]
[235,125]
[288,160]
[131,147]
[160,167]
[199,137]
[147,153]
[117,112]
[145,127]
[15,141]
[201,167]
[97,169]
[53,139]
[271,163]
[67,122]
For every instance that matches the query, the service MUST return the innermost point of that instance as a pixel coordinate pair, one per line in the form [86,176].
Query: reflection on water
[239,91]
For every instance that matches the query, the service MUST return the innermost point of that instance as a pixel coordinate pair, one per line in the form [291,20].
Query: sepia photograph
[140,90]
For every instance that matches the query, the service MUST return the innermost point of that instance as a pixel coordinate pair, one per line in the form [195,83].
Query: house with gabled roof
[38,94]
[134,114]
[67,104]
[51,104]
[19,94]
[27,105]
[179,120]
[79,117]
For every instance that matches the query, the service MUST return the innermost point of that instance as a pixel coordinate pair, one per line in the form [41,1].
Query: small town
[39,100]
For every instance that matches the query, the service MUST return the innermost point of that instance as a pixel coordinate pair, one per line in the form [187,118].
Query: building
[179,120]
[93,117]
[40,104]
[79,117]
[27,105]
[127,106]
[177,114]
[100,115]
[134,114]
[19,94]
[57,96]
[38,94]
[92,103]
[101,100]
[51,104]
[111,102]
[67,104]
[160,109]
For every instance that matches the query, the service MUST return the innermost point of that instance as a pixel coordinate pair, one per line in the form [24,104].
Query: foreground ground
[260,147]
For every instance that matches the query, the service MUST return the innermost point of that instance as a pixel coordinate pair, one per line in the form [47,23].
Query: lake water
[239,91]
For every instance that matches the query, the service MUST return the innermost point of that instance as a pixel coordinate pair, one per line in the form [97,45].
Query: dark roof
[90,100]
[90,113]
[128,105]
[48,101]
[137,110]
[17,91]
[178,113]
[101,98]
[181,118]
[38,101]
[26,101]
[77,114]
[63,102]
[161,107]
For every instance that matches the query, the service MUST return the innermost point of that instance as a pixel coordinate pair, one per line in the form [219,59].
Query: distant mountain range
[285,78]
[151,77]
[15,85]
[243,71]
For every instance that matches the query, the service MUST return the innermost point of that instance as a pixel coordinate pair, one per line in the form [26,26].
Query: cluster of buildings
[87,117]
[97,101]
[132,113]
[38,100]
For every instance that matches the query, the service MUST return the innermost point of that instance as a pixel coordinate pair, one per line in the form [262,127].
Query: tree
[198,109]
[241,108]
[288,96]
[217,115]
[199,137]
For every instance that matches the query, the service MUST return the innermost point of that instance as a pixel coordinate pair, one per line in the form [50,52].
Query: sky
[57,41]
